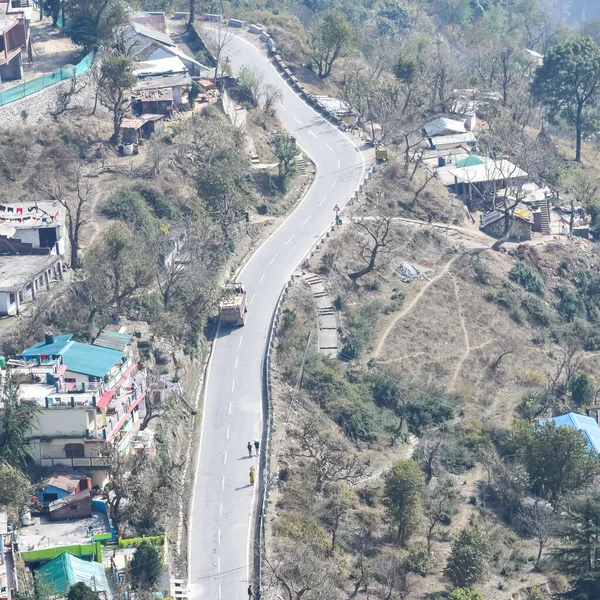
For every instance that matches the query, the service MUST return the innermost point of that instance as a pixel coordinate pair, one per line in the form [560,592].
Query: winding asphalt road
[221,524]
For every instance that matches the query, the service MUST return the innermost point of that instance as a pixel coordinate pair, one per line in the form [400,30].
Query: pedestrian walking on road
[256,446]
[250,594]
[252,475]
[249,446]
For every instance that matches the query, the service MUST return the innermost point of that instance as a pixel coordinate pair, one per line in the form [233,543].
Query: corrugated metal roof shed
[54,348]
[113,339]
[587,425]
[66,570]
[90,360]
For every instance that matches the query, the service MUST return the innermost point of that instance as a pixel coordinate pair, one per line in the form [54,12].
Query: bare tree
[220,38]
[540,521]
[375,240]
[66,96]
[270,95]
[429,452]
[328,456]
[439,504]
[76,200]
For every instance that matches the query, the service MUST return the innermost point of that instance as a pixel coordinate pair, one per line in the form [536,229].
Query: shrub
[129,206]
[430,407]
[537,310]
[482,276]
[360,422]
[570,305]
[262,209]
[163,206]
[527,278]
[353,346]
[583,389]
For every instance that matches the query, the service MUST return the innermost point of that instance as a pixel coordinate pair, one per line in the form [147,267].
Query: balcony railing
[94,462]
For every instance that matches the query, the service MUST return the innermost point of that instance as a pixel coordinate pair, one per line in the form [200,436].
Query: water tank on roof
[49,338]
[441,161]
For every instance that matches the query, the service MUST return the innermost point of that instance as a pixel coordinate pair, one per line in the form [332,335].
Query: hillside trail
[411,305]
[468,348]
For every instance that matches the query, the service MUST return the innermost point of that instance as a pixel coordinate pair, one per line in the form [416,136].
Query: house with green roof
[66,570]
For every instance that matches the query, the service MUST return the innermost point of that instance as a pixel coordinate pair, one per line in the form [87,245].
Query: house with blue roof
[88,367]
[587,425]
[89,395]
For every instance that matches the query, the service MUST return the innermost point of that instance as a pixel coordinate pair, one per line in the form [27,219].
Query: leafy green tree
[579,532]
[18,420]
[286,151]
[81,591]
[145,565]
[557,458]
[467,564]
[115,268]
[248,85]
[402,494]
[586,587]
[115,83]
[583,389]
[91,23]
[15,488]
[329,41]
[568,83]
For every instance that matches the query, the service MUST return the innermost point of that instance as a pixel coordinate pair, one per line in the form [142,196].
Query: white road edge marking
[219,591]
[282,106]
[252,299]
[307,220]
[297,120]
[219,537]
[232,386]
[313,134]
[218,564]
[225,459]
[339,163]
[221,510]
[223,483]
[293,235]
[328,146]
[273,259]
[335,181]
[324,198]
[236,362]
[240,344]
[200,453]
[260,280]
[230,408]
[227,434]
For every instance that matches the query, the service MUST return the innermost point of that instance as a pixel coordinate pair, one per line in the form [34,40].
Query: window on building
[11,298]
[70,380]
[50,497]
[74,451]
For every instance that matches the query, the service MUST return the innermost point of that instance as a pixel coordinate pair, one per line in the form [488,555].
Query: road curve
[220,524]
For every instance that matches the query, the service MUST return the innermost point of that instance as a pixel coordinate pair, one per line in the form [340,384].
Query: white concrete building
[22,278]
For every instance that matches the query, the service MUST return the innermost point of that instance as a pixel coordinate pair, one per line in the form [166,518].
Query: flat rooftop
[44,533]
[17,271]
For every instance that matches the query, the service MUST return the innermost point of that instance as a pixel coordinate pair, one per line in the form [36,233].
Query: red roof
[107,396]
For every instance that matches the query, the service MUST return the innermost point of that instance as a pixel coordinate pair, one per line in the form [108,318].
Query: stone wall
[36,107]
